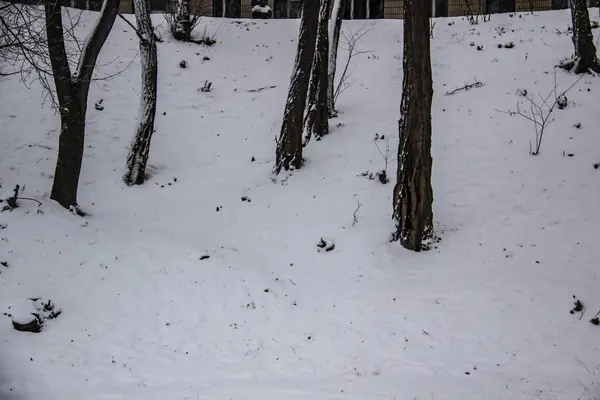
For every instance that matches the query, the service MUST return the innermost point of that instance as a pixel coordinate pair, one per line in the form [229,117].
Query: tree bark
[334,41]
[182,28]
[316,121]
[72,93]
[137,158]
[583,40]
[289,143]
[413,194]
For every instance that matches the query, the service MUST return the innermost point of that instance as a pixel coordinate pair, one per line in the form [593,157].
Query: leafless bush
[473,13]
[183,16]
[351,40]
[541,111]
[386,154]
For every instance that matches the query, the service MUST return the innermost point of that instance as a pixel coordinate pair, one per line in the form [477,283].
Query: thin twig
[260,89]
[466,87]
[29,198]
[359,205]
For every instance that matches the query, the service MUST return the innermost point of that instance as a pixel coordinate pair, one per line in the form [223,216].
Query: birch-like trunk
[72,94]
[583,40]
[334,41]
[182,28]
[413,194]
[316,123]
[137,158]
[289,144]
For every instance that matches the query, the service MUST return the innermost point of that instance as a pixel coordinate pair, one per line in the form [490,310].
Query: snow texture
[485,315]
[261,9]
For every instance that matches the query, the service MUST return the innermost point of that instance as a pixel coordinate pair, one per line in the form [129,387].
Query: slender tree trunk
[316,122]
[585,51]
[334,41]
[233,9]
[140,147]
[72,93]
[413,194]
[182,29]
[289,143]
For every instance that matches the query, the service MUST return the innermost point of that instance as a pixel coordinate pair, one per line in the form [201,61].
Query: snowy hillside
[146,315]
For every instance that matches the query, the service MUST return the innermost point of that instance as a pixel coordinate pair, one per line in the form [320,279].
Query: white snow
[22,311]
[261,9]
[267,316]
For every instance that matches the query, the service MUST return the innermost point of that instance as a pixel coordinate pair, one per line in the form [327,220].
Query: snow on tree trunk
[289,144]
[72,94]
[182,28]
[334,40]
[140,147]
[585,51]
[316,122]
[413,194]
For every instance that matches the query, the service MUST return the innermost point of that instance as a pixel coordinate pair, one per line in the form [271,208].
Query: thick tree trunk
[70,155]
[334,41]
[585,51]
[289,143]
[72,93]
[140,147]
[413,194]
[316,122]
[182,28]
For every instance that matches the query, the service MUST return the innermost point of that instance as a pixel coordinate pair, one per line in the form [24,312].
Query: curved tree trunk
[140,147]
[289,144]
[72,94]
[413,194]
[585,59]
[316,122]
[334,41]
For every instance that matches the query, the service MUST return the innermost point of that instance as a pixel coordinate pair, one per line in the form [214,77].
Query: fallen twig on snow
[469,86]
[260,89]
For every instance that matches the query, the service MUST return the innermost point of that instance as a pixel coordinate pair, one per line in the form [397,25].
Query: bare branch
[352,39]
[541,112]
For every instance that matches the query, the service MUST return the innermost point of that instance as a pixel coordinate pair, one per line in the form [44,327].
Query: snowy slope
[484,316]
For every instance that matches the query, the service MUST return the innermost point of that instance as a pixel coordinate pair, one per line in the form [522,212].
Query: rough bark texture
[72,93]
[182,28]
[140,147]
[413,194]
[334,30]
[289,143]
[585,59]
[316,121]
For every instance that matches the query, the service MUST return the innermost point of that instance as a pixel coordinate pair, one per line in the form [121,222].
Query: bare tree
[585,59]
[183,16]
[289,143]
[36,41]
[316,122]
[351,42]
[335,27]
[140,147]
[72,93]
[413,194]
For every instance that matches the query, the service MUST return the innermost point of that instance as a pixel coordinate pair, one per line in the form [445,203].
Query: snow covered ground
[146,316]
